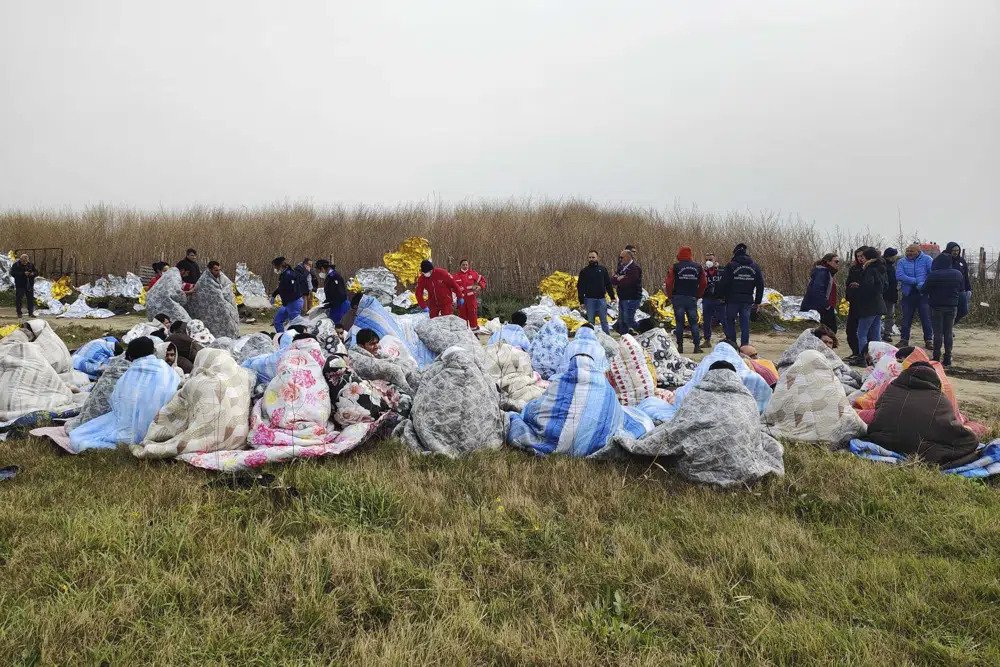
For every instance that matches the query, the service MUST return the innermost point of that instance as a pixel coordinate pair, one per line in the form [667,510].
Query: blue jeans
[963,305]
[287,313]
[626,315]
[742,310]
[869,329]
[597,308]
[943,320]
[686,307]
[711,311]
[911,304]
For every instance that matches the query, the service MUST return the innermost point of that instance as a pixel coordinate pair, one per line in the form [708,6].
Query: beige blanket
[28,383]
[510,368]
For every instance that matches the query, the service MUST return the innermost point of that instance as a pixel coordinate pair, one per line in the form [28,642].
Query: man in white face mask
[711,302]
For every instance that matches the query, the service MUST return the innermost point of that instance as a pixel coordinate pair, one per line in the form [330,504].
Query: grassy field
[390,558]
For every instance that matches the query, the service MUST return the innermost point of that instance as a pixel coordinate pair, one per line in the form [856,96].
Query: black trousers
[852,330]
[828,318]
[20,295]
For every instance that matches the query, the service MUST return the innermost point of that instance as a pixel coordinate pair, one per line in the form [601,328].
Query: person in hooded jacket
[853,283]
[434,290]
[821,294]
[965,297]
[334,291]
[868,302]
[712,307]
[913,417]
[742,287]
[944,286]
[911,272]
[891,294]
[685,284]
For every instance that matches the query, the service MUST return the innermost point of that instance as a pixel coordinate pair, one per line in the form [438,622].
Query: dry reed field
[514,244]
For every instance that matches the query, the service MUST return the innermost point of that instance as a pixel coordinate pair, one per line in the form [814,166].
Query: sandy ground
[976,370]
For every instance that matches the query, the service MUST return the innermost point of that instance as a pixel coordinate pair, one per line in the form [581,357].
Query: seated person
[187,347]
[548,346]
[368,340]
[824,341]
[716,433]
[93,356]
[513,332]
[390,362]
[762,367]
[144,388]
[164,330]
[913,417]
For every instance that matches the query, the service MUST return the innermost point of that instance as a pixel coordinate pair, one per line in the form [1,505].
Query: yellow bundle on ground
[404,262]
[561,288]
[7,330]
[572,323]
[843,307]
[62,288]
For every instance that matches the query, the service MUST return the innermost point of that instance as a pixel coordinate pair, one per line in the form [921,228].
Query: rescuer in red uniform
[471,284]
[434,290]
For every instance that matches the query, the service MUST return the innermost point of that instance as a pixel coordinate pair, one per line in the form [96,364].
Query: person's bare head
[191,254]
[308,263]
[912,251]
[625,256]
[593,257]
[749,351]
[215,268]
[463,265]
[24,258]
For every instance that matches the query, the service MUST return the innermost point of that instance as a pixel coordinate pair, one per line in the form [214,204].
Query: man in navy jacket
[290,289]
[943,287]
[742,287]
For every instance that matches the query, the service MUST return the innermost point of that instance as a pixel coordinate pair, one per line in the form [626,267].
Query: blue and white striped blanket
[986,465]
[93,356]
[585,342]
[513,334]
[145,387]
[577,415]
[373,315]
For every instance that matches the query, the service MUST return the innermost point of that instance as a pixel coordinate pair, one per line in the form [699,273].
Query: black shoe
[946,362]
[936,356]
[680,346]
[903,343]
[928,344]
[697,349]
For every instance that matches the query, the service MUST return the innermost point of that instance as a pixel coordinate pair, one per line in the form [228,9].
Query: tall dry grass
[513,243]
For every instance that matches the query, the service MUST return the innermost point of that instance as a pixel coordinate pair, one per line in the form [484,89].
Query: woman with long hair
[821,295]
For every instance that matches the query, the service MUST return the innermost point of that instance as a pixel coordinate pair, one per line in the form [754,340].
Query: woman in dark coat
[868,304]
[914,418]
[821,295]
[853,283]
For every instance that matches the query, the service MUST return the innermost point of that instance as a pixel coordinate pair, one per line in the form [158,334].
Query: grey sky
[836,111]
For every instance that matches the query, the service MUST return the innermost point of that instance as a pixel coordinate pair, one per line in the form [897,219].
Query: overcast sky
[835,111]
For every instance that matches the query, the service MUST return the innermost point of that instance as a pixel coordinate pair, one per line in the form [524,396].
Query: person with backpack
[290,289]
[685,284]
[743,290]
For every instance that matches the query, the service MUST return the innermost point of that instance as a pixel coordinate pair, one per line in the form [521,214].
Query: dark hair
[119,348]
[594,251]
[823,330]
[213,263]
[462,260]
[366,336]
[722,364]
[190,250]
[306,259]
[322,264]
[180,326]
[588,325]
[278,261]
[356,299]
[161,318]
[159,266]
[298,328]
[826,259]
[139,347]
[871,253]
[904,352]
[303,336]
[519,318]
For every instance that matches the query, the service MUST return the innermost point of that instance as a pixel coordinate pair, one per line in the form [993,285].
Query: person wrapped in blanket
[914,417]
[383,359]
[138,395]
[93,356]
[187,347]
[763,367]
[513,332]
[354,400]
[716,432]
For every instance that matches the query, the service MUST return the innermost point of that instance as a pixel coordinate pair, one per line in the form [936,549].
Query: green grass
[393,558]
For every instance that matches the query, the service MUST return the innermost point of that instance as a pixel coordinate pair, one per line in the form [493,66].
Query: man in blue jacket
[943,286]
[290,289]
[955,251]
[742,287]
[911,273]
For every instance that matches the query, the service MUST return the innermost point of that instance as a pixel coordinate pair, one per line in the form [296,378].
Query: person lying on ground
[93,356]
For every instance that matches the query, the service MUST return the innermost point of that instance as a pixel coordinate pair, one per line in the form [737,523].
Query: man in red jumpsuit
[471,284]
[438,285]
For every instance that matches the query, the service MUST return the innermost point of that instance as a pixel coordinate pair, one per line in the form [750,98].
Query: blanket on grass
[850,377]
[143,389]
[986,464]
[456,408]
[209,413]
[29,384]
[98,401]
[716,434]
[214,303]
[809,404]
[509,367]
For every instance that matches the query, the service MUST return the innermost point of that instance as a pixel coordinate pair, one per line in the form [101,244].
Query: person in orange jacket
[685,284]
[471,284]
[434,290]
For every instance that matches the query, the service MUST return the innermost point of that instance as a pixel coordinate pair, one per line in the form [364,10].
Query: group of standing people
[937,290]
[728,294]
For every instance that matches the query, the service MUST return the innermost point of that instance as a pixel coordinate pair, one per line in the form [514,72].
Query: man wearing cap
[434,289]
[891,294]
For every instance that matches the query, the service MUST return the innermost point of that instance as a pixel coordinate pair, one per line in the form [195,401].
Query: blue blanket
[92,358]
[373,315]
[986,465]
[577,415]
[548,347]
[145,387]
[585,342]
[266,365]
[754,383]
[513,334]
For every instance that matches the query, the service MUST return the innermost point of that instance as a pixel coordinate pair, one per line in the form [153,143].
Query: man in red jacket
[434,290]
[471,284]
